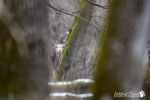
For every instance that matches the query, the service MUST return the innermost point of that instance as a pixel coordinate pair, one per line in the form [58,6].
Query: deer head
[59,47]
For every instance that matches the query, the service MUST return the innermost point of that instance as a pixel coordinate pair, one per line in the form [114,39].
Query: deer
[58,50]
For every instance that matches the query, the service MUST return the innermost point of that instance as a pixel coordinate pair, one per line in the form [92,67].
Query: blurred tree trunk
[24,49]
[121,66]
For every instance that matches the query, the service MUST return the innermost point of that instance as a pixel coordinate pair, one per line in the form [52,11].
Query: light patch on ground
[64,94]
[71,82]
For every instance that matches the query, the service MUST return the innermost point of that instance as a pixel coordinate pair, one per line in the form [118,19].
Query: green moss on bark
[71,40]
[106,81]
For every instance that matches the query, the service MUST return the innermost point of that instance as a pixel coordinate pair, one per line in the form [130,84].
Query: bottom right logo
[142,93]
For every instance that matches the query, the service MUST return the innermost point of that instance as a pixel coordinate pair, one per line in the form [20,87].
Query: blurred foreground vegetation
[25,46]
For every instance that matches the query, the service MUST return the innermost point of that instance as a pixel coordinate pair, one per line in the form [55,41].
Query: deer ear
[64,44]
[53,43]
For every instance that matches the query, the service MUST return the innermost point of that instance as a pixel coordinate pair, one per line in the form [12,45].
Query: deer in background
[58,50]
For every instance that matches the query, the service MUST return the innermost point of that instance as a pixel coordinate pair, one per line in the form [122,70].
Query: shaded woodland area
[74,50]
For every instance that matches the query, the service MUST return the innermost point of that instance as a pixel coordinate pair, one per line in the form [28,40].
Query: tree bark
[73,63]
[24,49]
[121,67]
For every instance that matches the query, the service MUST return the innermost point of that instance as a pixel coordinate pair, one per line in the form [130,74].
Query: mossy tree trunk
[76,51]
[24,50]
[120,67]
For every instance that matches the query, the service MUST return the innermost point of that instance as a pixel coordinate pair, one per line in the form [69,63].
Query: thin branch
[89,14]
[77,12]
[104,7]
[71,14]
[58,6]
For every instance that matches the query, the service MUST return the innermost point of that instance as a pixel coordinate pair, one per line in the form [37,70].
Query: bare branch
[104,7]
[76,12]
[71,14]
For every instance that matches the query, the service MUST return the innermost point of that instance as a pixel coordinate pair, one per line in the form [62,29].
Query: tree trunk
[77,56]
[24,49]
[121,64]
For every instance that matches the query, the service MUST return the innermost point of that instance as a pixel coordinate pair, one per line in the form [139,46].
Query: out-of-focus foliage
[9,62]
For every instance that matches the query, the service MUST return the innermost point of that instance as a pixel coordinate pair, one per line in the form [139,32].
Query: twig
[71,14]
[75,11]
[104,7]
